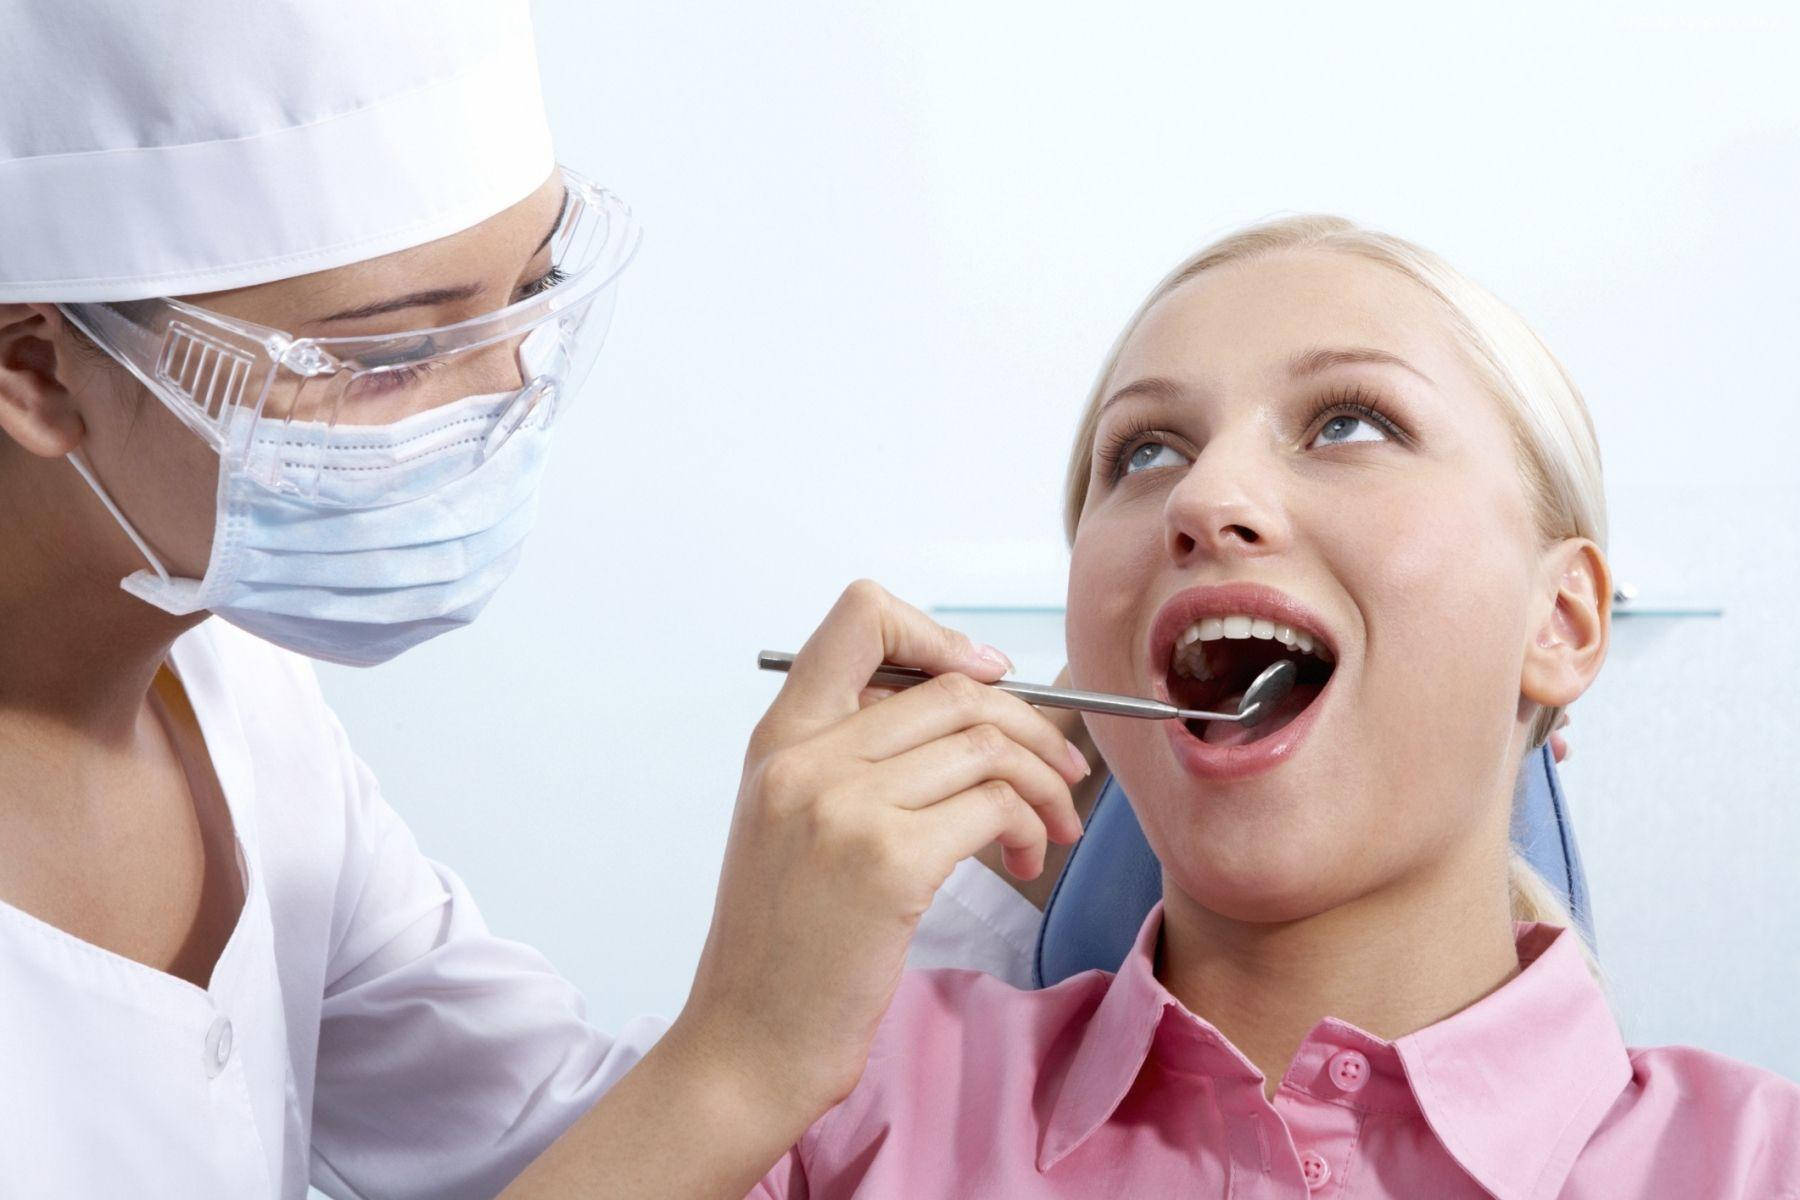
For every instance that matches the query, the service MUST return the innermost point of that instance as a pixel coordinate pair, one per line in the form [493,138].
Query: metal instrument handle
[894,676]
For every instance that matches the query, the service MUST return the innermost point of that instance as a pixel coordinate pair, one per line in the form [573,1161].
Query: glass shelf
[1032,635]
[1667,610]
[1620,609]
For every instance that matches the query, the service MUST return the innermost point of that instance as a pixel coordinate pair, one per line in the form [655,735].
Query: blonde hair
[1558,454]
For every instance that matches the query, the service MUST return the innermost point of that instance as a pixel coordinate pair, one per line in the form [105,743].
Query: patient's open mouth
[1215,659]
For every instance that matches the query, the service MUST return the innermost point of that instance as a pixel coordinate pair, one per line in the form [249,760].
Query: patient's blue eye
[1153,454]
[1347,427]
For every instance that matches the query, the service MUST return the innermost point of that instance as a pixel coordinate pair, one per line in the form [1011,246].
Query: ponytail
[1535,900]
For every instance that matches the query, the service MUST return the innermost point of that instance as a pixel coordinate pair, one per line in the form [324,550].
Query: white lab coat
[362,1030]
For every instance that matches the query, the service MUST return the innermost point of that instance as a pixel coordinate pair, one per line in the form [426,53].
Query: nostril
[1184,545]
[1241,532]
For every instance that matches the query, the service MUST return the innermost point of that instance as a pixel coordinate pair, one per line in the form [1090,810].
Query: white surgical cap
[167,147]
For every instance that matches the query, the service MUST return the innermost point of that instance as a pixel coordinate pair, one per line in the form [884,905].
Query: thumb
[865,628]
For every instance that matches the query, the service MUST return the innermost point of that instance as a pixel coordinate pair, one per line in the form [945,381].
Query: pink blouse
[1106,1086]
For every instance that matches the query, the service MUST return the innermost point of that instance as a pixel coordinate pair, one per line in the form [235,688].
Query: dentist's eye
[391,379]
[542,283]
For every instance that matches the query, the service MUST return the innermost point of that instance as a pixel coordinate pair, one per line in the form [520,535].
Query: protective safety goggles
[287,409]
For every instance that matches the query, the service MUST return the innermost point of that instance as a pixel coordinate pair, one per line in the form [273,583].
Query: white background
[887,248]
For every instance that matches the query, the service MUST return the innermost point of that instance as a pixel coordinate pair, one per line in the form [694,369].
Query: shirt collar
[1513,1085]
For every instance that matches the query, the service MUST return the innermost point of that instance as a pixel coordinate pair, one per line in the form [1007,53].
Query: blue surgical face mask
[338,574]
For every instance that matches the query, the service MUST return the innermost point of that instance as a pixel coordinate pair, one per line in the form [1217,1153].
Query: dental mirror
[1260,698]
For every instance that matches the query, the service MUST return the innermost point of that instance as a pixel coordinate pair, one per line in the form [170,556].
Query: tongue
[1236,733]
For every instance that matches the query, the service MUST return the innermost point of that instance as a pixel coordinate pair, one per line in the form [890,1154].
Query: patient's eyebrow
[1307,362]
[1153,387]
[1323,358]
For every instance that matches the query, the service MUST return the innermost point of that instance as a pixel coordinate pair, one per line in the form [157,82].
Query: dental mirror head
[1266,691]
[1260,698]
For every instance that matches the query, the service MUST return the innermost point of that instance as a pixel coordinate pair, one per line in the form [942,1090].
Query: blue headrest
[1111,880]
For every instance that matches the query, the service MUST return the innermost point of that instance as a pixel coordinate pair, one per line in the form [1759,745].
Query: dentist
[290,298]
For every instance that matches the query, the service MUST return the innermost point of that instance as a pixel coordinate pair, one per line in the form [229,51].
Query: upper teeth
[1191,660]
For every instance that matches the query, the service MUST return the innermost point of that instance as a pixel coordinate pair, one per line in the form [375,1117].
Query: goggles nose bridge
[540,392]
[543,361]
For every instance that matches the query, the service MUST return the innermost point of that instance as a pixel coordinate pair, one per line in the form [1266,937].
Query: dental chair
[1111,879]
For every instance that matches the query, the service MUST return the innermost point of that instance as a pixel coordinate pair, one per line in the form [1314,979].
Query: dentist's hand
[1085,794]
[853,809]
[855,806]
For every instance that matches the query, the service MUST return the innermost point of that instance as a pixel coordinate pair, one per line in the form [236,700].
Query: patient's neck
[1389,963]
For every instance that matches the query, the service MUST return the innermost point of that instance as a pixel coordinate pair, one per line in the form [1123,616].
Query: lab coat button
[1348,1070]
[1315,1170]
[218,1047]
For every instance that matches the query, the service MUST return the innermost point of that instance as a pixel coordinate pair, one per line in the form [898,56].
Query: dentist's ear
[1571,627]
[36,410]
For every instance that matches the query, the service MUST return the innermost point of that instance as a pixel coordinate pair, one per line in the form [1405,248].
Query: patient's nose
[1224,507]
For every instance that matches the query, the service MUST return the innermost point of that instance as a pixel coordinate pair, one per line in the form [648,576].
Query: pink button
[1348,1069]
[1315,1170]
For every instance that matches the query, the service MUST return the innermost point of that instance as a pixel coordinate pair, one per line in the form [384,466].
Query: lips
[1232,753]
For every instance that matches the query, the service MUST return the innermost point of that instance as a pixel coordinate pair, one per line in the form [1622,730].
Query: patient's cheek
[1445,609]
[1106,628]
[1099,630]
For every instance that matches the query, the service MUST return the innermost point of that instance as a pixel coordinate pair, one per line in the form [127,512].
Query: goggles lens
[284,409]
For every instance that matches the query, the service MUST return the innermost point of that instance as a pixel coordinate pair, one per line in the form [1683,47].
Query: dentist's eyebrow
[1323,358]
[435,296]
[561,212]
[439,296]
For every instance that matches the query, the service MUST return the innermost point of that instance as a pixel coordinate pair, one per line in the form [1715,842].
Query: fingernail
[993,657]
[1078,760]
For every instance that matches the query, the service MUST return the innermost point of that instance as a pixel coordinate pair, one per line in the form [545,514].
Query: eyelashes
[1356,401]
[543,283]
[1110,456]
[1113,453]
[393,379]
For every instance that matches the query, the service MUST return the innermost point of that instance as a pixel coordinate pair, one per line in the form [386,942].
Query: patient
[1319,442]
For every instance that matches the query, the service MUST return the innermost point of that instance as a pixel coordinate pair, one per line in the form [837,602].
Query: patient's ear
[36,409]
[1572,625]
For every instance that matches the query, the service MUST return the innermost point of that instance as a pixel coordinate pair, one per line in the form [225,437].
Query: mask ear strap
[80,463]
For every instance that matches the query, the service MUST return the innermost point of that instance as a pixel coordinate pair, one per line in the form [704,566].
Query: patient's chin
[1263,882]
[1260,901]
